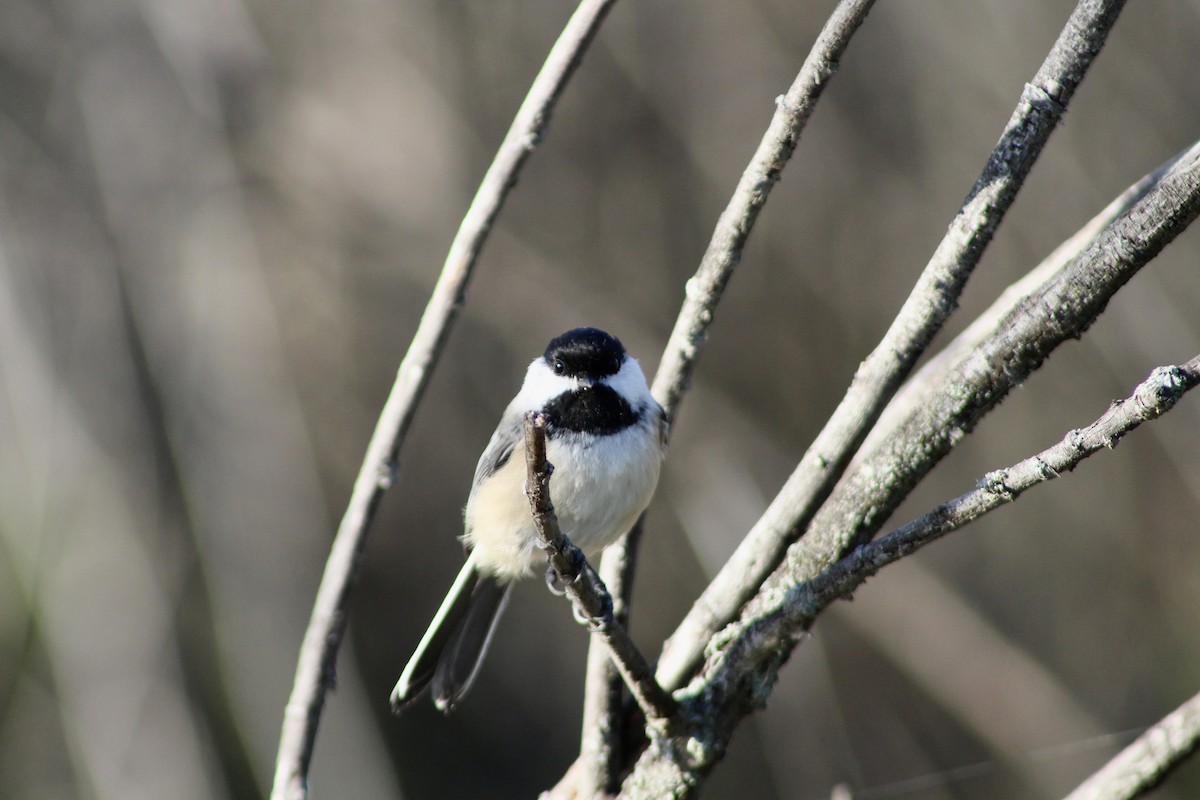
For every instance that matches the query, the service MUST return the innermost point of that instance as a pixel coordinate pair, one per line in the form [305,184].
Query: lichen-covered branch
[1061,309]
[743,660]
[935,296]
[924,382]
[1152,398]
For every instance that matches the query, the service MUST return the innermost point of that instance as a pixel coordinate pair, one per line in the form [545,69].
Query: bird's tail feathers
[463,655]
[450,652]
[419,671]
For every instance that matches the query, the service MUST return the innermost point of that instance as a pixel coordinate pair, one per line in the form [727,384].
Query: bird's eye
[559,367]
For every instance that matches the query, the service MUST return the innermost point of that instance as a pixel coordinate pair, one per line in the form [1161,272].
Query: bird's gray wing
[509,434]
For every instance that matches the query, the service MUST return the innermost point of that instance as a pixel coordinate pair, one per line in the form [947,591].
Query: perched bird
[605,437]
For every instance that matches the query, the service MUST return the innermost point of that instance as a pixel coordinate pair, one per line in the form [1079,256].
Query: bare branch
[934,297]
[580,582]
[1061,309]
[1144,764]
[316,667]
[746,656]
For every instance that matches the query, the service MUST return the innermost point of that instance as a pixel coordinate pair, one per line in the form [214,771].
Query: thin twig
[931,302]
[316,666]
[1146,762]
[583,586]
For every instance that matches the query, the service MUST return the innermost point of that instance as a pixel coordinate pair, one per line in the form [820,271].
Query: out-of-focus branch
[583,586]
[746,656]
[1144,764]
[931,302]
[316,667]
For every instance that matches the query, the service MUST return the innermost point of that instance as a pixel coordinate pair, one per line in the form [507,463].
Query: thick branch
[746,656]
[921,386]
[1144,764]
[932,300]
[1062,309]
[580,582]
[317,663]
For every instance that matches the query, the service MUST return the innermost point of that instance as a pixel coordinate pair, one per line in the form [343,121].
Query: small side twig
[1146,762]
[583,586]
[316,666]
[1152,398]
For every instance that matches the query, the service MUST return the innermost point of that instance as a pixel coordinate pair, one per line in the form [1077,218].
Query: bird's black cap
[585,353]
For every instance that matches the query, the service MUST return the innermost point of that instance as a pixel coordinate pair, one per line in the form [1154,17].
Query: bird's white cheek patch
[541,385]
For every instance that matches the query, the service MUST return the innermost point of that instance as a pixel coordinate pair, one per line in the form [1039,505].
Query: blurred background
[220,221]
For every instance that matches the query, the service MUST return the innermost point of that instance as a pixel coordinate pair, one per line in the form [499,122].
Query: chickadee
[605,436]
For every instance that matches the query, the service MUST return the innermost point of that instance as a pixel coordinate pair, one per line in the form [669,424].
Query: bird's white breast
[599,487]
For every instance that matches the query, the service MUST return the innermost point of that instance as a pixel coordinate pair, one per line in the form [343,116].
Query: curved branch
[934,297]
[316,667]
